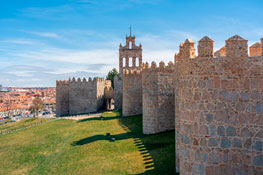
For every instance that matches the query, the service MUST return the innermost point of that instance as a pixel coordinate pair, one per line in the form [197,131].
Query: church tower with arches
[130,55]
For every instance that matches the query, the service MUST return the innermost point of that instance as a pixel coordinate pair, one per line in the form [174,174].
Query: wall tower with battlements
[132,92]
[158,97]
[219,111]
[81,96]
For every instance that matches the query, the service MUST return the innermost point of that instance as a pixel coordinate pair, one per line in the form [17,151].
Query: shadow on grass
[157,150]
[99,118]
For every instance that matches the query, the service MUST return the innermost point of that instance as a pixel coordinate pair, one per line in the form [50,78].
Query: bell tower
[130,55]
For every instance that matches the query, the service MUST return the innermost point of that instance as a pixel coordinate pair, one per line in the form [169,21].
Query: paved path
[80,117]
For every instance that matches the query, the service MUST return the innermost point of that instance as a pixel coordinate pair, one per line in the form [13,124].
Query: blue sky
[45,40]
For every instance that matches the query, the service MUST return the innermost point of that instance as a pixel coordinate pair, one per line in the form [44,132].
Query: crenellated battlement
[235,47]
[161,68]
[62,82]
[84,80]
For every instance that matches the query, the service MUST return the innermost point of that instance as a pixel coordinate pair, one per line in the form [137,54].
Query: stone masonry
[214,101]
[219,111]
[62,98]
[158,98]
[118,92]
[132,92]
[80,96]
[255,49]
[129,52]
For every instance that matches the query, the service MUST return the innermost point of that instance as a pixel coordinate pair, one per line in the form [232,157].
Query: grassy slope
[21,124]
[81,147]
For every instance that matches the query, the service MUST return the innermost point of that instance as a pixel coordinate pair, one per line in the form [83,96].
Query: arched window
[137,62]
[123,62]
[130,45]
[130,62]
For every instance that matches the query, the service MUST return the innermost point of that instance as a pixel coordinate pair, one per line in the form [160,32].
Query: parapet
[237,47]
[62,82]
[161,68]
[96,79]
[79,81]
[205,47]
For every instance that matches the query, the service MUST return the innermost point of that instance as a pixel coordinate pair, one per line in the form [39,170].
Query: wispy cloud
[21,41]
[44,34]
[70,56]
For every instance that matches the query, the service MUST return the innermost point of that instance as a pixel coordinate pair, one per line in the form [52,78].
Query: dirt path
[80,117]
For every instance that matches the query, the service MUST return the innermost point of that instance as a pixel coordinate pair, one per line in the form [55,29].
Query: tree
[111,75]
[36,106]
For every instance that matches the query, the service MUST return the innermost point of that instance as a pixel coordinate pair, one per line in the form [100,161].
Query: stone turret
[206,47]
[261,41]
[188,49]
[236,47]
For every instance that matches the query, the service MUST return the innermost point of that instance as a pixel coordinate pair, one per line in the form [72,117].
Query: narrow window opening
[130,62]
[130,45]
[123,62]
[137,62]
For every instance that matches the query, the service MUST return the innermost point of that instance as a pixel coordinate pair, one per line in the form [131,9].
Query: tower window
[130,45]
[123,62]
[130,62]
[137,62]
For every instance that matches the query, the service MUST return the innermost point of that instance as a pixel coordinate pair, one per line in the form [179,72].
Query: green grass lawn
[21,124]
[82,147]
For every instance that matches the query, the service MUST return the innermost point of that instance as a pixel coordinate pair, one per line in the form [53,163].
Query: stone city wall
[158,98]
[132,92]
[80,96]
[62,98]
[118,92]
[219,112]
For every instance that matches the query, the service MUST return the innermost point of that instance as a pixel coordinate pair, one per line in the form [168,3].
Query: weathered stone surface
[158,98]
[225,94]
[80,96]
[130,52]
[132,93]
[118,92]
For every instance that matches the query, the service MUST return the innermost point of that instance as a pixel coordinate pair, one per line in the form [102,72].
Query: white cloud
[71,56]
[45,34]
[21,41]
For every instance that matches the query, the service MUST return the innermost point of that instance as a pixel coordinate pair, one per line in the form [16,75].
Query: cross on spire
[130,30]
